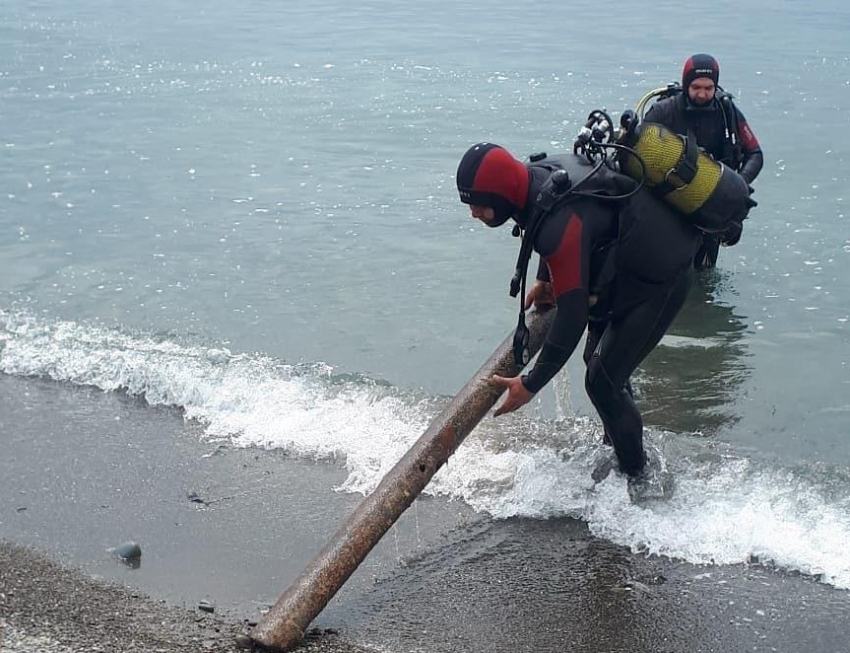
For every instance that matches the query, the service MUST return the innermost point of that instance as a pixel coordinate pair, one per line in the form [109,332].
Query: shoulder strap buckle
[683,173]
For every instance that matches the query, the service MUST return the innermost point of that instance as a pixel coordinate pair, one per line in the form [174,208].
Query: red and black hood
[488,175]
[700,65]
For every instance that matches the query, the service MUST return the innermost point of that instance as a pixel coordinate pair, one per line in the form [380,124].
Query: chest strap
[683,172]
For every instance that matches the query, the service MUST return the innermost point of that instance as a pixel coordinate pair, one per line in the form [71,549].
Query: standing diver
[701,107]
[612,258]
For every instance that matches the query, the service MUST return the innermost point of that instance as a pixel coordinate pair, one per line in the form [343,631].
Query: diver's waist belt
[683,172]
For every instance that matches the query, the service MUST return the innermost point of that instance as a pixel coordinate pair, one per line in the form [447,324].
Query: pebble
[243,641]
[128,551]
[194,497]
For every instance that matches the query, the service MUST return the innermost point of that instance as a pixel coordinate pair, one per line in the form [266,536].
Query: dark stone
[206,606]
[194,497]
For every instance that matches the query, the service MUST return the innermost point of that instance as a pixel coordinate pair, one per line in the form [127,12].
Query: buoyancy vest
[654,243]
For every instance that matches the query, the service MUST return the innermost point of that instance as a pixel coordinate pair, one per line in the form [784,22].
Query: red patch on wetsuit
[748,138]
[565,263]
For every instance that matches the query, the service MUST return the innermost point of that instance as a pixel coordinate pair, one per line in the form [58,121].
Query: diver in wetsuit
[720,128]
[622,264]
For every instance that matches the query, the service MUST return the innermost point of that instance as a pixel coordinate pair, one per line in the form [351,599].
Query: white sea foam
[724,509]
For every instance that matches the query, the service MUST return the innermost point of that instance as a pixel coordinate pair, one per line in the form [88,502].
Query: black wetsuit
[652,251]
[709,125]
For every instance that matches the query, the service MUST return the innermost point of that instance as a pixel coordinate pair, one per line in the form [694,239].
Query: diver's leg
[620,417]
[624,344]
[595,329]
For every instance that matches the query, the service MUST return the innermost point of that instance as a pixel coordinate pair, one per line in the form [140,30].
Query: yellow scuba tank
[711,194]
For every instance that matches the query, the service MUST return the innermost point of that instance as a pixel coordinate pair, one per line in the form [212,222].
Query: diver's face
[483,213]
[701,91]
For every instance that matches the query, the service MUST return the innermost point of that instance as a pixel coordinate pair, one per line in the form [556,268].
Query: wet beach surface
[45,608]
[86,470]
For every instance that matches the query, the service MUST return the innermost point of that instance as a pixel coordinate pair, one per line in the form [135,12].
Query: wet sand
[83,471]
[45,608]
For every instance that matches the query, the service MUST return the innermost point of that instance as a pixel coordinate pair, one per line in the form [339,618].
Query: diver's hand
[541,296]
[518,395]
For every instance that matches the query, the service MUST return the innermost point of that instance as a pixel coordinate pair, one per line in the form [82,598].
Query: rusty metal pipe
[283,627]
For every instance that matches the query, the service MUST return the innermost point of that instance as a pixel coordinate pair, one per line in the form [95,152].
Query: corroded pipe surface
[283,627]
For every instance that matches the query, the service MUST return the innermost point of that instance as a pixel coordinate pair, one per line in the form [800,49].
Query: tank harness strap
[685,169]
[731,141]
[554,192]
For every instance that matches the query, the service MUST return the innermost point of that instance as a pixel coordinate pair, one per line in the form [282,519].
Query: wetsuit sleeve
[753,159]
[568,263]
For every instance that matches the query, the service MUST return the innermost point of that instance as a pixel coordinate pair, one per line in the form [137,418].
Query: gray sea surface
[249,213]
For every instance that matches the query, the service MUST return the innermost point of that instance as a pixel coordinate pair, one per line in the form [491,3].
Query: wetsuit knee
[598,383]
